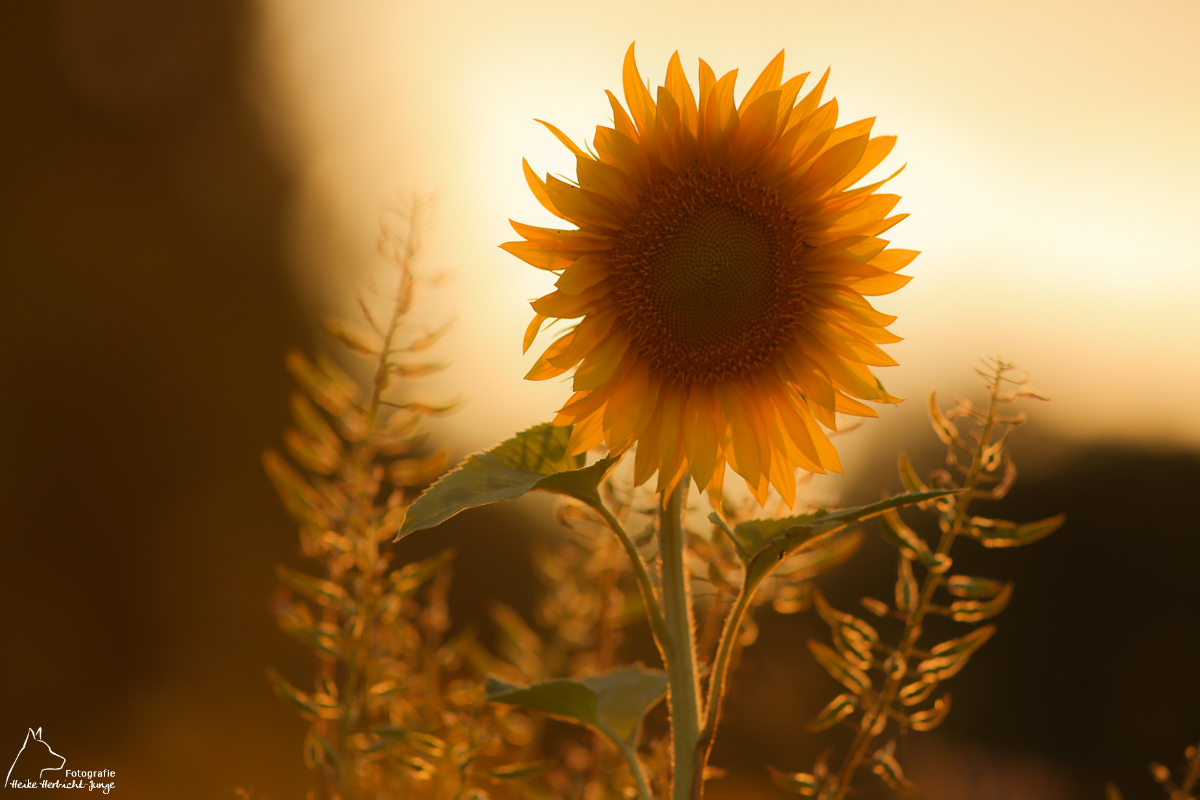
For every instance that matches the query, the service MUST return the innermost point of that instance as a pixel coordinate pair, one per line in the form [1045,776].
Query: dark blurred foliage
[1095,669]
[146,312]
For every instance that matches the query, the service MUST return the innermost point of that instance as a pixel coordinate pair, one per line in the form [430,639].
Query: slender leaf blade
[534,459]
[764,543]
[613,703]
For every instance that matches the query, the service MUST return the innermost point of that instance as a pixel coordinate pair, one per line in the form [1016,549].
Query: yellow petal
[787,99]
[877,150]
[536,256]
[584,404]
[880,285]
[767,81]
[790,416]
[810,103]
[562,137]
[569,241]
[621,119]
[677,84]
[700,434]
[670,438]
[720,117]
[848,405]
[755,132]
[637,96]
[602,362]
[585,435]
[583,273]
[543,369]
[625,406]
[586,209]
[569,306]
[538,187]
[531,332]
[589,334]
[831,166]
[745,454]
[607,181]
[708,80]
[892,260]
[645,461]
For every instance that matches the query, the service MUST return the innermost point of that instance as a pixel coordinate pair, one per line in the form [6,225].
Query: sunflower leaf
[613,704]
[765,543]
[533,460]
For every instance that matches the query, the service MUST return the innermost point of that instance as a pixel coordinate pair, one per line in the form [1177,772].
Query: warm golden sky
[1051,149]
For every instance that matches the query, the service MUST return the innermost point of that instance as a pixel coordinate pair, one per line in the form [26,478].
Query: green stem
[639,775]
[720,670]
[658,623]
[680,651]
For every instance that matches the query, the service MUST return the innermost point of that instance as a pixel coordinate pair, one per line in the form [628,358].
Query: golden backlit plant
[907,674]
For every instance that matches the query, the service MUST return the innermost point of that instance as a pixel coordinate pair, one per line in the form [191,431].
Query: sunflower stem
[679,648]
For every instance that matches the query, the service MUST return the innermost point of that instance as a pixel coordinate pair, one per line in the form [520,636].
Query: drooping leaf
[413,576]
[318,750]
[764,543]
[917,691]
[942,426]
[1001,533]
[320,591]
[852,637]
[521,770]
[306,505]
[792,598]
[324,382]
[286,691]
[979,610]
[905,539]
[429,744]
[906,586]
[949,657]
[876,607]
[885,765]
[845,673]
[909,477]
[838,709]
[359,340]
[973,588]
[613,704]
[929,719]
[534,459]
[821,557]
[801,783]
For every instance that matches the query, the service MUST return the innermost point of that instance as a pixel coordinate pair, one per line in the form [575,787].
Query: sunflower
[717,278]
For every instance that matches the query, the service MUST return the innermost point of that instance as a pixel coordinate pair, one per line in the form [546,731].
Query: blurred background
[189,187]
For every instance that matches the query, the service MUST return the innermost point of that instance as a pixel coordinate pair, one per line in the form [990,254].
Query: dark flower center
[708,274]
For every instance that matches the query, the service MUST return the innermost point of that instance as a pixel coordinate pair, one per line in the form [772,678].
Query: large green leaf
[534,459]
[613,704]
[763,543]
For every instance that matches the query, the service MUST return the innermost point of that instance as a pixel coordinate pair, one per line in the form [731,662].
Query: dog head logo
[34,758]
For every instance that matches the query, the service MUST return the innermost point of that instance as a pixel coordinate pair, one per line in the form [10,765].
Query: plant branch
[658,623]
[720,670]
[875,719]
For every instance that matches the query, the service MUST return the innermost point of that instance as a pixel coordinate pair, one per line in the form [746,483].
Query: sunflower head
[716,278]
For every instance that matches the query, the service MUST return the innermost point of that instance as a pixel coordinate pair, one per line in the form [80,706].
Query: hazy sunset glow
[1050,149]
